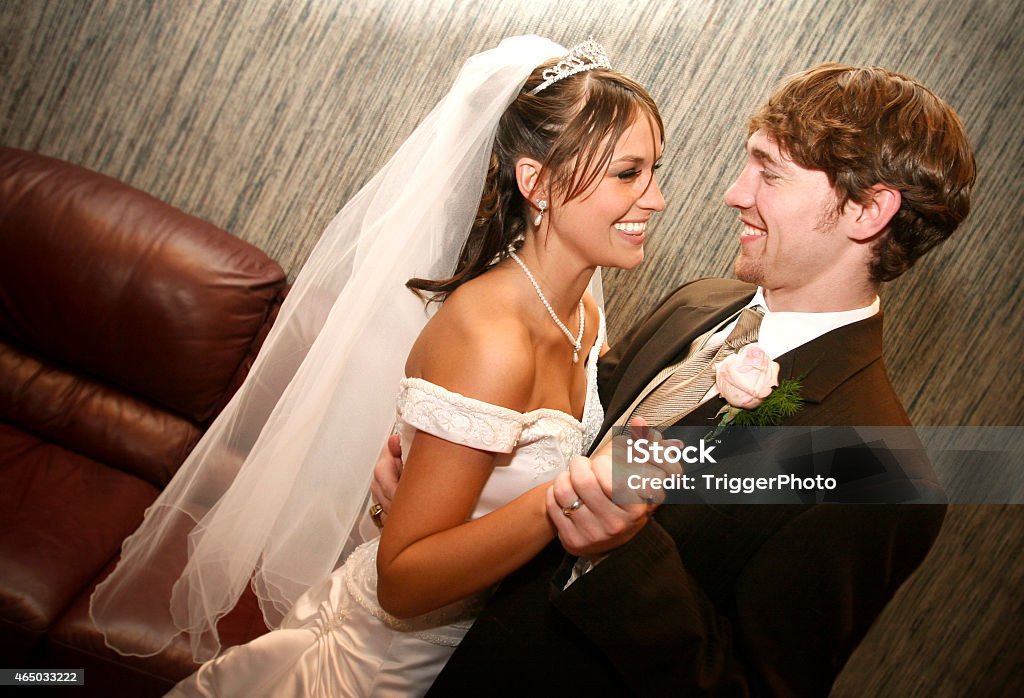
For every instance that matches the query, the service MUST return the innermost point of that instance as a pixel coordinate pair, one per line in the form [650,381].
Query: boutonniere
[749,382]
[784,401]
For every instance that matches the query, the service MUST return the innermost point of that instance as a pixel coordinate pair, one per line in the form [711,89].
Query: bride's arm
[429,554]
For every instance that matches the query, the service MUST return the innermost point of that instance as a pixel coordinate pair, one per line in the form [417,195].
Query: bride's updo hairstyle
[571,127]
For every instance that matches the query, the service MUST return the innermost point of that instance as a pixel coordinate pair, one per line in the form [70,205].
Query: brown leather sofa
[125,326]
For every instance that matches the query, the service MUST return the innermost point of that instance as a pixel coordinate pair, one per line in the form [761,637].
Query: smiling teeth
[751,230]
[631,227]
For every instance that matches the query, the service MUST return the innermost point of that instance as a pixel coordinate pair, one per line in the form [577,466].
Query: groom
[850,176]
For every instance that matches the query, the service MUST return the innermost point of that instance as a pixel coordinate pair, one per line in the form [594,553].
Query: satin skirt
[333,645]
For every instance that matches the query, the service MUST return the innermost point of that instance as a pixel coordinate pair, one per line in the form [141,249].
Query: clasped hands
[591,521]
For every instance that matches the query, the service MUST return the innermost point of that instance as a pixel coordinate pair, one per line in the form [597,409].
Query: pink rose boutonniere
[749,382]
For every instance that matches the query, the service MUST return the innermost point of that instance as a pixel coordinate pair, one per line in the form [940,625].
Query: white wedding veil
[271,493]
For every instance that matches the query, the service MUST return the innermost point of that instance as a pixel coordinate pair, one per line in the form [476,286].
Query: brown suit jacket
[730,600]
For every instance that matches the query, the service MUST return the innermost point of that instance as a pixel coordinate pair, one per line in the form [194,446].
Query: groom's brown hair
[868,126]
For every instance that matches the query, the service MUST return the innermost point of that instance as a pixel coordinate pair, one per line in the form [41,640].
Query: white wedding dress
[337,641]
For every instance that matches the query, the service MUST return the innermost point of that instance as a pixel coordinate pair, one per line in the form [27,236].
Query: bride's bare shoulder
[477,345]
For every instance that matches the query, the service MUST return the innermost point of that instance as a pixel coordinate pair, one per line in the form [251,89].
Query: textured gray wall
[265,117]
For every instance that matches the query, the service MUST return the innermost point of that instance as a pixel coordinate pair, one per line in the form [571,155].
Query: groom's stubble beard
[749,270]
[753,269]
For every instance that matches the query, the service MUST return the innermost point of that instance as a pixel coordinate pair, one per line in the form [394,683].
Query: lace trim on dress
[457,418]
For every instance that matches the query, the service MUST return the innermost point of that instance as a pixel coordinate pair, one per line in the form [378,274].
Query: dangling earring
[542,205]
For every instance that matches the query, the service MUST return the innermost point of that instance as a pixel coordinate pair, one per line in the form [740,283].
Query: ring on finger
[569,510]
[376,513]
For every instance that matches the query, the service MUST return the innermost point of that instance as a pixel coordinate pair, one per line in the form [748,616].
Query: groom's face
[791,242]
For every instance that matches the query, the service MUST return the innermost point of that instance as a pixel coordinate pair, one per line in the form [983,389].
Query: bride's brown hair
[571,127]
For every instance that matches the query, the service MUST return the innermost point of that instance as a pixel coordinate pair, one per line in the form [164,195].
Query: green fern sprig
[784,401]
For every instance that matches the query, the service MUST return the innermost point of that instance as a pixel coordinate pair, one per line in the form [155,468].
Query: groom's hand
[386,473]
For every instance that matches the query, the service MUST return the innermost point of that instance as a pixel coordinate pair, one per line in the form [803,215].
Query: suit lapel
[830,360]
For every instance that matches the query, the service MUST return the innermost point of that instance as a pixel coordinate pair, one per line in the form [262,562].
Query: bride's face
[606,225]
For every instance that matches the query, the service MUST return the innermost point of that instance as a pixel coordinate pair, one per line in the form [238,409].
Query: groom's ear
[873,216]
[530,178]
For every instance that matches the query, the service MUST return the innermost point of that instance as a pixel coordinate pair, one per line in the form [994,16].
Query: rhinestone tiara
[581,57]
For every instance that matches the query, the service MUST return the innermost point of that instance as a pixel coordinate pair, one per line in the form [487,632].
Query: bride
[499,391]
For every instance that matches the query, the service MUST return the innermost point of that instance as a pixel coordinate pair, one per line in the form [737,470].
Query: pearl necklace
[576,342]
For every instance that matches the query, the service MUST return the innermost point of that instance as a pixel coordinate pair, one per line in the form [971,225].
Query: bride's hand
[747,377]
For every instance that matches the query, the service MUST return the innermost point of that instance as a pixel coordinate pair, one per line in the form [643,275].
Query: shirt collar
[784,331]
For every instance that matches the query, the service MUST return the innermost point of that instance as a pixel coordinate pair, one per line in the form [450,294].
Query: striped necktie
[684,389]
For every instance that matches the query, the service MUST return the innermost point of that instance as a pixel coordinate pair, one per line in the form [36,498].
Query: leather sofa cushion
[105,280]
[65,517]
[91,418]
